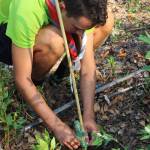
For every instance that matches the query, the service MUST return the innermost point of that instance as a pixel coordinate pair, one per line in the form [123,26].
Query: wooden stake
[70,64]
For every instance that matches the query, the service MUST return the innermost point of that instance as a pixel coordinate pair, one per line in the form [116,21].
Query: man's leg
[101,33]
[47,50]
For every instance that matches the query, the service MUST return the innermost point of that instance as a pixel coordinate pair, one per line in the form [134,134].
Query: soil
[127,113]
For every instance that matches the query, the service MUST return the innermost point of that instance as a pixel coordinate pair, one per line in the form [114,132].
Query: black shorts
[5,46]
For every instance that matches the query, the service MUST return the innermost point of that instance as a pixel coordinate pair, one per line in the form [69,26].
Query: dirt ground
[124,114]
[128,112]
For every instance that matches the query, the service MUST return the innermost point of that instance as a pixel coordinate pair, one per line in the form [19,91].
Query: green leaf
[97,140]
[145,39]
[147,129]
[148,147]
[5,94]
[9,119]
[107,137]
[145,133]
[126,148]
[145,137]
[147,56]
[53,144]
[46,136]
[111,61]
[44,142]
[147,34]
[146,68]
[41,143]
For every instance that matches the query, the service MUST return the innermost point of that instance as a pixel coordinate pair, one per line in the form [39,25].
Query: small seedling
[145,133]
[147,56]
[145,38]
[118,23]
[10,121]
[112,64]
[45,142]
[97,139]
[134,6]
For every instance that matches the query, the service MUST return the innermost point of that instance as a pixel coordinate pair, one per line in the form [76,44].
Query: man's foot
[66,136]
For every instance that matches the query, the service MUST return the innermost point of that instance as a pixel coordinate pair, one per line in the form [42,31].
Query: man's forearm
[87,86]
[35,99]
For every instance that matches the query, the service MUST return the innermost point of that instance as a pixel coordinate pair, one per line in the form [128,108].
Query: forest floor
[121,114]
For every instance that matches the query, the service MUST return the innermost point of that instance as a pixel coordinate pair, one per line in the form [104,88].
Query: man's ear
[62,5]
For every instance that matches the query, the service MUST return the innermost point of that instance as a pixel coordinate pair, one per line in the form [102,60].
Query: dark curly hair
[95,10]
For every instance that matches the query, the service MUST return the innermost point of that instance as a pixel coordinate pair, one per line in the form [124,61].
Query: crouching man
[31,40]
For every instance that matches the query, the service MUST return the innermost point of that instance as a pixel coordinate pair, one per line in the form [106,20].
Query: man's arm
[22,61]
[87,85]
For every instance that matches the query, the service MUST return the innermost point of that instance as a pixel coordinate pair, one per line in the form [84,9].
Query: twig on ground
[109,85]
[120,91]
[137,29]
[107,99]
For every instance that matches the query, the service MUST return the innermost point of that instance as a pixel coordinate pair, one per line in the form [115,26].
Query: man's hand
[65,135]
[90,125]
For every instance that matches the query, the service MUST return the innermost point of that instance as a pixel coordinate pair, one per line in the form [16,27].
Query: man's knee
[49,42]
[56,46]
[101,33]
[48,48]
[108,26]
[109,23]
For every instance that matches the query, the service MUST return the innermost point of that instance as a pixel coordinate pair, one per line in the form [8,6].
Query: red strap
[54,17]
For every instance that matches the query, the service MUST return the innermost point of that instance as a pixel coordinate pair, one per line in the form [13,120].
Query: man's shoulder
[27,6]
[28,20]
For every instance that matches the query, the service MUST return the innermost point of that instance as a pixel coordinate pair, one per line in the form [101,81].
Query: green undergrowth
[11,119]
[133,6]
[45,142]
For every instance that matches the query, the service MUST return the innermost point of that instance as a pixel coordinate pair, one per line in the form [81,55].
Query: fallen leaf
[122,53]
[117,99]
[105,117]
[96,107]
[142,123]
[104,54]
[137,55]
[130,16]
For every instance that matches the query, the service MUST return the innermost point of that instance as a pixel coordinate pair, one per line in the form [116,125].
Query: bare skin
[34,63]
